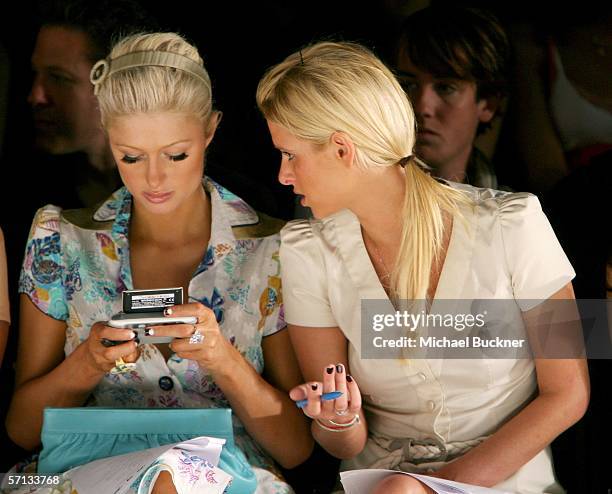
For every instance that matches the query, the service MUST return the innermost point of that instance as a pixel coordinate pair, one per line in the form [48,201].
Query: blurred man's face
[448,114]
[65,110]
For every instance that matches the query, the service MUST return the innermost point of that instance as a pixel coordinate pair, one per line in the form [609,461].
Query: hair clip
[98,73]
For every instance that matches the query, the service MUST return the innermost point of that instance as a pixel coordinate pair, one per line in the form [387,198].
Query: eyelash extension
[288,155]
[134,159]
[130,160]
[178,157]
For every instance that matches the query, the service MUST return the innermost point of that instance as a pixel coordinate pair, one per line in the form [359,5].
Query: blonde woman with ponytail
[385,229]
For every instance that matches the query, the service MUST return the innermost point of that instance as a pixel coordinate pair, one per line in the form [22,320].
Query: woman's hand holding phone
[116,341]
[103,357]
[191,329]
[142,323]
[201,341]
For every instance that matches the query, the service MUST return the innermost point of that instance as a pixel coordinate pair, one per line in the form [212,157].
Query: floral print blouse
[77,263]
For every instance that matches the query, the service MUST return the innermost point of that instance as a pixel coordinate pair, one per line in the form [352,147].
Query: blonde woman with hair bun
[169,226]
[385,229]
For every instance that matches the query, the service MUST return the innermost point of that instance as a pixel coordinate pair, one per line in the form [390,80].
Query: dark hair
[459,43]
[103,21]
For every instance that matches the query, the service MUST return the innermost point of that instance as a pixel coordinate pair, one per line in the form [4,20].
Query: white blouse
[502,248]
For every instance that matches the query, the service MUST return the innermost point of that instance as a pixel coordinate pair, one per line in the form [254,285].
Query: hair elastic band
[405,160]
[104,68]
[420,163]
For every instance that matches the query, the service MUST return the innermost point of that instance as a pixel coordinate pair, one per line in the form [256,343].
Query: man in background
[453,62]
[73,35]
[72,166]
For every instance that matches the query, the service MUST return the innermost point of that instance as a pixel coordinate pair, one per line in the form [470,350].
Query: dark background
[238,41]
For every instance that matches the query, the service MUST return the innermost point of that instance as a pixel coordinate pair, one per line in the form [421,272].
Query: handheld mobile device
[137,322]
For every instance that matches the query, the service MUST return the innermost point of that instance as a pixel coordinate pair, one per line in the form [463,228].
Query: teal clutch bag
[74,436]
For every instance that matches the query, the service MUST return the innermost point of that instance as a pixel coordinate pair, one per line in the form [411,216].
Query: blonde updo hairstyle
[153,88]
[330,87]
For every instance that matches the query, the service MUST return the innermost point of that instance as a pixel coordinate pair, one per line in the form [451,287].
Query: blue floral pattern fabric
[75,271]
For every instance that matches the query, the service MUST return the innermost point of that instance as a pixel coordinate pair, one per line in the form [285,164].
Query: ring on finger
[121,367]
[341,413]
[197,337]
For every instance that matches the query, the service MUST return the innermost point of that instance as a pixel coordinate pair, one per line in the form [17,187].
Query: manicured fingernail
[330,369]
[133,335]
[314,387]
[149,331]
[168,311]
[349,378]
[339,368]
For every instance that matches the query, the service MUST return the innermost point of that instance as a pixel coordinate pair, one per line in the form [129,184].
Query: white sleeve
[537,264]
[305,292]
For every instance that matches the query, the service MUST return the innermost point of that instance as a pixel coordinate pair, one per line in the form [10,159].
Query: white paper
[115,475]
[364,481]
[191,473]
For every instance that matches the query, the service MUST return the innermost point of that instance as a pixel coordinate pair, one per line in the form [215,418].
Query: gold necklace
[387,273]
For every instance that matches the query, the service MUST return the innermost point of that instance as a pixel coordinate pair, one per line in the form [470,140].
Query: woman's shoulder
[503,203]
[296,230]
[309,230]
[58,225]
[46,221]
[85,219]
[97,217]
[53,228]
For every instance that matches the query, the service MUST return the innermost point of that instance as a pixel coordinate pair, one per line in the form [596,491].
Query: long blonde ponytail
[425,203]
[330,87]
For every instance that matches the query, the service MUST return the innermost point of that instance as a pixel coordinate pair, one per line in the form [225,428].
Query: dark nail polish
[314,387]
[339,369]
[330,369]
[349,379]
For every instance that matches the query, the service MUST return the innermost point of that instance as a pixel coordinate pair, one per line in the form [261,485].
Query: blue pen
[324,397]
